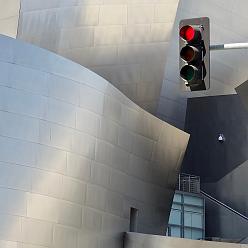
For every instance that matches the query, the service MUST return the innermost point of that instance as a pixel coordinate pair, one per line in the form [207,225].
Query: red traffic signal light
[194,53]
[190,33]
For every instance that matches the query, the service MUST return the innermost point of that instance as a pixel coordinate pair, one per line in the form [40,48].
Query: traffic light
[194,44]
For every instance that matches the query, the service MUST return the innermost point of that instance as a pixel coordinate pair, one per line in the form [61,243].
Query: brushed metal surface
[64,182]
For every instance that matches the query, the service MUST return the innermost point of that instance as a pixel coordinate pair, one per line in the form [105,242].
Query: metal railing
[211,198]
[189,183]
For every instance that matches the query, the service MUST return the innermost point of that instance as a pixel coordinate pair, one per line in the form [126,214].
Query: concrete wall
[228,20]
[232,190]
[76,154]
[134,240]
[222,223]
[206,118]
[242,91]
[218,164]
[125,41]
[9,17]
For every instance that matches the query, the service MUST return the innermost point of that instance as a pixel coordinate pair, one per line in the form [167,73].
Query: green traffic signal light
[189,73]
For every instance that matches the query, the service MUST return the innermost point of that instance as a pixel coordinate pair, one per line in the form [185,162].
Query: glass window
[193,209]
[176,206]
[187,233]
[192,200]
[175,231]
[196,234]
[197,220]
[187,219]
[175,217]
[177,198]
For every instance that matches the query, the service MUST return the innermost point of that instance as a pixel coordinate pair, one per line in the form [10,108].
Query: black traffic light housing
[194,43]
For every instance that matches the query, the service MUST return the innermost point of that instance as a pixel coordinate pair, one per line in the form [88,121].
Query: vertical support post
[189,185]
[199,185]
[182,216]
[179,182]
[204,219]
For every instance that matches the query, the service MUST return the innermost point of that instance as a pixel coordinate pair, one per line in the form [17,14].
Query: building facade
[80,138]
[77,155]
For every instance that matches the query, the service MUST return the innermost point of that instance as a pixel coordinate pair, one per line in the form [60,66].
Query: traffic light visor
[187,33]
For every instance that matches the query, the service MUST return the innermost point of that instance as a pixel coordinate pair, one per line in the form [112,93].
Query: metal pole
[189,185]
[179,182]
[229,46]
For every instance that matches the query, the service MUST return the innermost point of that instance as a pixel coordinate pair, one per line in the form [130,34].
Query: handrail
[223,204]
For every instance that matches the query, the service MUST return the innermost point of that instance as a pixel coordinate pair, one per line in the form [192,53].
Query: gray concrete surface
[207,118]
[221,166]
[135,240]
[232,190]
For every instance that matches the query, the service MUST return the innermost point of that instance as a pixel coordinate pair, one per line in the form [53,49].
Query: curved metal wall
[125,41]
[128,43]
[76,154]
